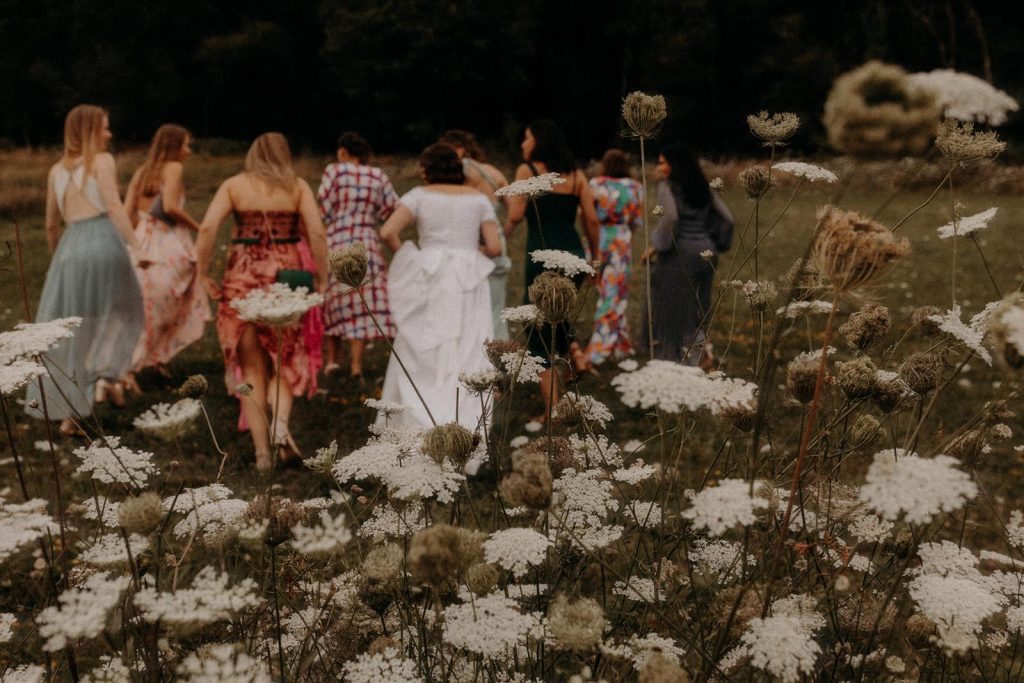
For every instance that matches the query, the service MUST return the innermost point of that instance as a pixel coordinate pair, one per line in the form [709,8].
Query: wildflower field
[847,515]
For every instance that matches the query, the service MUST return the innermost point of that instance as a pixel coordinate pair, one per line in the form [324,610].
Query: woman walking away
[486,178]
[694,227]
[277,228]
[553,226]
[439,294]
[618,200]
[354,197]
[177,309]
[90,276]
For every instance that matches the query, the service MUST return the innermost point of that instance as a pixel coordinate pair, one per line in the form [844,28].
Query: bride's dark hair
[441,164]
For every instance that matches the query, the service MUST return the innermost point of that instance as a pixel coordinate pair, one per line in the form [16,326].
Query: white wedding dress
[441,304]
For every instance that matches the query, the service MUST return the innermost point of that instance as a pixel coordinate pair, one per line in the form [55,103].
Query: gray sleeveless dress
[91,277]
[498,279]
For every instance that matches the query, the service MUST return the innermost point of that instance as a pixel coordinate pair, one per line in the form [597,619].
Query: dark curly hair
[465,140]
[686,177]
[441,164]
[356,145]
[551,149]
[615,164]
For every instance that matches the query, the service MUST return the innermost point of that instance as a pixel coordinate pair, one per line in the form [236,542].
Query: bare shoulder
[496,174]
[523,172]
[104,161]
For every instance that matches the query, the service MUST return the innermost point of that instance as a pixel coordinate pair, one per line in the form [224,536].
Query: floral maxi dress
[619,205]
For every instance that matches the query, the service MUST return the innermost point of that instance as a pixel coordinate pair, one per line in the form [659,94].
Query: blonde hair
[83,134]
[167,144]
[269,159]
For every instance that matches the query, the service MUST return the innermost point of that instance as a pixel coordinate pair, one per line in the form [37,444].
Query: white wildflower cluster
[385,407]
[276,305]
[720,508]
[107,461]
[568,263]
[516,549]
[103,510]
[640,648]
[965,97]
[386,666]
[522,366]
[639,589]
[22,524]
[26,673]
[870,529]
[110,670]
[212,518]
[527,313]
[795,309]
[781,644]
[15,376]
[1015,529]
[7,624]
[806,171]
[30,340]
[634,474]
[644,513]
[900,482]
[967,224]
[82,613]
[675,388]
[480,382]
[210,599]
[419,476]
[109,551]
[582,503]
[191,498]
[169,421]
[531,187]
[719,557]
[588,408]
[326,539]
[588,451]
[386,522]
[972,334]
[490,626]
[223,663]
[372,461]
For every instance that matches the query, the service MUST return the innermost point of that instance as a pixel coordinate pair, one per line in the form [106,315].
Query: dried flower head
[577,625]
[760,294]
[556,451]
[801,377]
[773,129]
[805,281]
[383,563]
[554,295]
[856,378]
[963,146]
[482,578]
[280,516]
[853,251]
[496,348]
[529,483]
[865,431]
[643,114]
[922,317]
[867,326]
[890,391]
[660,668]
[756,181]
[349,265]
[450,440]
[921,371]
[141,514]
[195,386]
[439,554]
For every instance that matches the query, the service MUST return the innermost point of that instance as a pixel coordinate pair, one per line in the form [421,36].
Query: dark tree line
[403,70]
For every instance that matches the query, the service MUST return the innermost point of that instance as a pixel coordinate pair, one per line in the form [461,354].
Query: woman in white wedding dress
[439,293]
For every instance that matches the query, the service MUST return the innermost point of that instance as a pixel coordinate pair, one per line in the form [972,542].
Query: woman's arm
[492,242]
[591,224]
[315,232]
[399,221]
[516,205]
[218,210]
[52,225]
[663,237]
[106,178]
[172,195]
[131,198]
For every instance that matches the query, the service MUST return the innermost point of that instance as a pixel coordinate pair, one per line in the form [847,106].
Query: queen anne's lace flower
[516,549]
[169,420]
[782,646]
[191,498]
[582,502]
[588,408]
[323,540]
[7,624]
[634,474]
[638,589]
[277,305]
[675,388]
[27,673]
[967,224]
[210,599]
[971,335]
[420,477]
[806,171]
[110,670]
[531,187]
[901,482]
[82,613]
[527,313]
[109,550]
[640,648]
[29,340]
[387,666]
[489,626]
[795,309]
[18,374]
[386,522]
[720,508]
[719,557]
[386,407]
[523,367]
[957,606]
[372,461]
[568,263]
[212,517]
[22,524]
[966,97]
[590,451]
[223,663]
[110,462]
[870,529]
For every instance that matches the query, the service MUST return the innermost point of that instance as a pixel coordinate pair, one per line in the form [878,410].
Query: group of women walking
[131,271]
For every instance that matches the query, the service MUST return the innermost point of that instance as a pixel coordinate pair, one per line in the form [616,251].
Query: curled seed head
[350,264]
[554,295]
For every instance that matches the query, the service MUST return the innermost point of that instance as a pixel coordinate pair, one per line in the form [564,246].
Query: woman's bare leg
[280,399]
[333,351]
[550,391]
[356,348]
[254,361]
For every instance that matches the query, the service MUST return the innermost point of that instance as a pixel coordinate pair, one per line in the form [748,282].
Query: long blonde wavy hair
[83,135]
[270,160]
[167,144]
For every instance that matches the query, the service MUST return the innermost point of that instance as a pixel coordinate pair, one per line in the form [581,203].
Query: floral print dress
[619,204]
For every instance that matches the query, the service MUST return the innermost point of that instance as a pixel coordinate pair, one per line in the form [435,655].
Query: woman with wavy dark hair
[440,299]
[553,226]
[694,227]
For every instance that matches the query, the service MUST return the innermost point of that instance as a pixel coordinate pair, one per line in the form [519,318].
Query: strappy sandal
[112,391]
[288,453]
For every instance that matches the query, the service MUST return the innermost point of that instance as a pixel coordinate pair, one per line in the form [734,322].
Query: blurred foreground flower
[853,251]
[806,171]
[773,129]
[169,421]
[277,305]
[643,114]
[965,97]
[349,265]
[531,187]
[962,145]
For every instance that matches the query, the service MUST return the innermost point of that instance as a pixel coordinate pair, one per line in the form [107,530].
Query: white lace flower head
[967,224]
[223,663]
[109,462]
[326,539]
[169,421]
[531,187]
[208,600]
[386,666]
[806,171]
[276,305]
[899,483]
[489,626]
[527,313]
[22,524]
[675,388]
[569,264]
[15,376]
[82,613]
[720,508]
[516,549]
[966,97]
[30,340]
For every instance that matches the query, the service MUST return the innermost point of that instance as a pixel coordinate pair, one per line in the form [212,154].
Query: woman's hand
[212,288]
[646,256]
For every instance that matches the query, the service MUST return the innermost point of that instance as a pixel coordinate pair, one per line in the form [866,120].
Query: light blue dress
[498,279]
[91,277]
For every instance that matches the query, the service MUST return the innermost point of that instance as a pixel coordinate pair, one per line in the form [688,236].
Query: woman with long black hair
[693,228]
